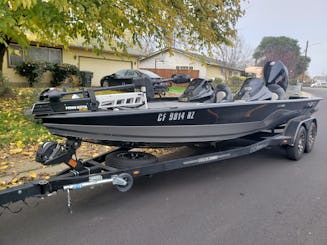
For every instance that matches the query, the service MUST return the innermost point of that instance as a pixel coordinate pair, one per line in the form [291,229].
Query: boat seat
[222,94]
[277,91]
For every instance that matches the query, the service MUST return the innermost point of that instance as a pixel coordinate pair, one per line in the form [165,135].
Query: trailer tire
[311,137]
[296,151]
[129,159]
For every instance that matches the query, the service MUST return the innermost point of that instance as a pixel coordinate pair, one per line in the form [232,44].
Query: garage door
[101,67]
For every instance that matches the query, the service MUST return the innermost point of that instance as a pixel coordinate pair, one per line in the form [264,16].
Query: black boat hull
[177,125]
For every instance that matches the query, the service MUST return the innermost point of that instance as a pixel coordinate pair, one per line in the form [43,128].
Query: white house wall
[168,61]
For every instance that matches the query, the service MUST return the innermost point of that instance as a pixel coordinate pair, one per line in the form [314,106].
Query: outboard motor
[253,89]
[276,77]
[199,90]
[275,72]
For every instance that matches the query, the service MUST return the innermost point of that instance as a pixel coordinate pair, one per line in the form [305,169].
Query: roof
[78,44]
[205,59]
[130,51]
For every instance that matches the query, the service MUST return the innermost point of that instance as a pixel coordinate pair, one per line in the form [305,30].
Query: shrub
[32,70]
[216,81]
[62,72]
[293,82]
[235,82]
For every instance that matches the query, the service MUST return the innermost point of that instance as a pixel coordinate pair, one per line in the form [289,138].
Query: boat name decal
[75,107]
[207,159]
[176,116]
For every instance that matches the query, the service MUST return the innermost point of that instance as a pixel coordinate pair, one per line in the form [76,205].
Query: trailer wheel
[128,159]
[129,179]
[311,137]
[296,151]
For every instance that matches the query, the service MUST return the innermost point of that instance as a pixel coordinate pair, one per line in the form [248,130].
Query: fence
[166,73]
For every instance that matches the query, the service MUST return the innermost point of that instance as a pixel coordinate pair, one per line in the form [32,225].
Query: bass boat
[201,114]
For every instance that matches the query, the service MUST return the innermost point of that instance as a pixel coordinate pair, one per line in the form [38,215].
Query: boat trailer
[297,136]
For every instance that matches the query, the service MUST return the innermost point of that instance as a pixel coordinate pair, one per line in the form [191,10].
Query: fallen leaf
[20,144]
[33,175]
[3,167]
[14,180]
[15,151]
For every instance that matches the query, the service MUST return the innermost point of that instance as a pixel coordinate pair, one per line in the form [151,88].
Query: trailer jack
[123,182]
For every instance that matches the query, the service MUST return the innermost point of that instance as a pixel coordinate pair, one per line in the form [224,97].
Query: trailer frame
[94,172]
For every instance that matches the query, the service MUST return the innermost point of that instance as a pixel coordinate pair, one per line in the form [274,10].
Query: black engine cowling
[199,90]
[275,72]
[253,89]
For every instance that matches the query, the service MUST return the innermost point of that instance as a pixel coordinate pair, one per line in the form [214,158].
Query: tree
[113,23]
[285,49]
[237,55]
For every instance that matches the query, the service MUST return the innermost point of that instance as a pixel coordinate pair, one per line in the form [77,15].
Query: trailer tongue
[119,167]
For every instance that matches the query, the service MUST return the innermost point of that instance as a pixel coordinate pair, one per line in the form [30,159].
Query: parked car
[131,76]
[319,85]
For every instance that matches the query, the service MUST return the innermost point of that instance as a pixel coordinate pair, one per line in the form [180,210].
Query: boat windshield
[194,84]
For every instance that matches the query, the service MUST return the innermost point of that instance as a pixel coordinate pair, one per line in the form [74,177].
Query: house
[255,70]
[85,59]
[171,61]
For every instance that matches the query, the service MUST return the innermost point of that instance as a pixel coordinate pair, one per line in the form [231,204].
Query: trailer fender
[293,126]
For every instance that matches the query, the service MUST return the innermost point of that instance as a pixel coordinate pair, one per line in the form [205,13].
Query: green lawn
[15,127]
[176,89]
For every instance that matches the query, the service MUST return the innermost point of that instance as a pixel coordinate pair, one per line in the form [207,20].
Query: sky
[297,19]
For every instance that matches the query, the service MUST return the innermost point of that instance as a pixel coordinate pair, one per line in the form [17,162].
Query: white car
[319,85]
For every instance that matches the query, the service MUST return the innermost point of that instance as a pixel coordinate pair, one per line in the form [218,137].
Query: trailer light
[136,172]
[72,163]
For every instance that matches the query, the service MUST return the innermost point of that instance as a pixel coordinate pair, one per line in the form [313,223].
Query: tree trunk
[3,49]
[2,54]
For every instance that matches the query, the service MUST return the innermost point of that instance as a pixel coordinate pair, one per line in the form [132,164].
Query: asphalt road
[258,199]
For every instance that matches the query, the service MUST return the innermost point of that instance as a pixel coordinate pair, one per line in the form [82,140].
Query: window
[17,56]
[131,73]
[184,67]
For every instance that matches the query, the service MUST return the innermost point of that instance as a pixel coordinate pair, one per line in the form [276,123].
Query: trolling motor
[51,153]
